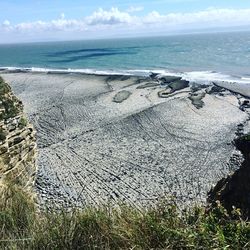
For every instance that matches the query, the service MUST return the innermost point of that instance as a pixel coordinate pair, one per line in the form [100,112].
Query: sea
[198,57]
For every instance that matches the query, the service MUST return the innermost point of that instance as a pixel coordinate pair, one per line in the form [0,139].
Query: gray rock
[118,77]
[244,104]
[196,87]
[196,99]
[164,93]
[153,75]
[121,96]
[172,87]
[214,89]
[149,85]
[169,79]
[178,85]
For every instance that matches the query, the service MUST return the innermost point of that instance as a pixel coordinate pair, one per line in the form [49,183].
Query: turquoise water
[225,53]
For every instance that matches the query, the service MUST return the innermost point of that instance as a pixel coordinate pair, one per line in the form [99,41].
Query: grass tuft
[9,104]
[159,227]
[17,214]
[22,123]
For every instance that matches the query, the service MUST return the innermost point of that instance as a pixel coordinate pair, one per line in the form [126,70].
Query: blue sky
[32,10]
[34,20]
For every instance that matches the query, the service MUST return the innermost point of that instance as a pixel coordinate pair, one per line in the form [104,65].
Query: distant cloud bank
[117,21]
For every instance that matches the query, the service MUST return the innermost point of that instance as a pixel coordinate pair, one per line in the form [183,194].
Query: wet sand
[104,139]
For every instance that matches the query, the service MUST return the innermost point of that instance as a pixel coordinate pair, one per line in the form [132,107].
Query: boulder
[178,85]
[168,79]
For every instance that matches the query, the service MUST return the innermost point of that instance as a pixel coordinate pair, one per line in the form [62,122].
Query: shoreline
[201,77]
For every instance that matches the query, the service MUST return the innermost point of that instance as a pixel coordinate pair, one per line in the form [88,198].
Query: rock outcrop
[172,84]
[234,191]
[17,141]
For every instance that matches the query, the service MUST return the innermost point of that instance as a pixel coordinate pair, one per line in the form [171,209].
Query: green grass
[161,227]
[11,110]
[11,104]
[22,122]
[3,134]
[4,88]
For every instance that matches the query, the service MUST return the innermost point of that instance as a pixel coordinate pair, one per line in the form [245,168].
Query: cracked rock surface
[93,150]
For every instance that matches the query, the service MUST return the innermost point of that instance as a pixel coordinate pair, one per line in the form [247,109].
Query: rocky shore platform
[117,138]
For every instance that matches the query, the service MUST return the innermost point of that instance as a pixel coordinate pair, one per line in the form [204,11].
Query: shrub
[4,88]
[2,135]
[22,122]
[10,108]
[9,103]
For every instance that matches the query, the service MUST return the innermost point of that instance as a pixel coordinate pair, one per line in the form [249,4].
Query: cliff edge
[234,191]
[17,141]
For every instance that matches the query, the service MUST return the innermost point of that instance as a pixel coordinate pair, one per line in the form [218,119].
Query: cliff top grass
[4,88]
[161,227]
[9,104]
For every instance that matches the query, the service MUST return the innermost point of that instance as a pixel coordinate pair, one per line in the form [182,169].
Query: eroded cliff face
[17,141]
[234,191]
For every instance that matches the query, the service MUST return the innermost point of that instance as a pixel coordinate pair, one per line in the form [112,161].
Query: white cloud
[54,25]
[112,17]
[62,16]
[220,17]
[132,9]
[6,23]
[123,21]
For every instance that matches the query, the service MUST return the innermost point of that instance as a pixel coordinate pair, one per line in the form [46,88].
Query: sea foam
[202,77]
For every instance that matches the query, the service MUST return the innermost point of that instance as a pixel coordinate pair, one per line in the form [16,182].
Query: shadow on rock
[234,191]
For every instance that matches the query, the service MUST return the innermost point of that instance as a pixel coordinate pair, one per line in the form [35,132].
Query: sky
[52,20]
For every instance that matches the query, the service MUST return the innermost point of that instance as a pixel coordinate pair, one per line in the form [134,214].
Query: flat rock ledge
[107,139]
[121,96]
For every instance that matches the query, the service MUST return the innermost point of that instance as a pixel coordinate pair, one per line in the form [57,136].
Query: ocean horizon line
[179,34]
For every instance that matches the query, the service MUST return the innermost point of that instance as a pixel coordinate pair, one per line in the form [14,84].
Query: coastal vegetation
[2,135]
[9,107]
[22,122]
[159,227]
